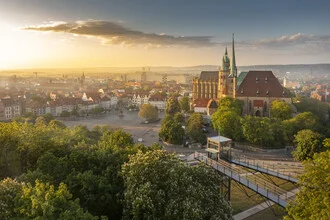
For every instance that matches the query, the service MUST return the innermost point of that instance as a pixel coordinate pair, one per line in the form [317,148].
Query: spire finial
[233,67]
[226,53]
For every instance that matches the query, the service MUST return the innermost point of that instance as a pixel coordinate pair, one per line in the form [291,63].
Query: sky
[134,33]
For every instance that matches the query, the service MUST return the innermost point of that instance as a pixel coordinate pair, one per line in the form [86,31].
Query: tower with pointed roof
[228,75]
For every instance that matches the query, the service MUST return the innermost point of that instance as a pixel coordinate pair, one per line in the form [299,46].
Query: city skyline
[73,34]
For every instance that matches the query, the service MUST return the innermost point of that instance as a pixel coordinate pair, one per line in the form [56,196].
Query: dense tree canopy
[74,173]
[227,118]
[159,186]
[194,128]
[228,123]
[306,104]
[171,131]
[230,104]
[149,112]
[280,110]
[172,105]
[258,130]
[312,201]
[41,201]
[184,104]
[305,120]
[308,143]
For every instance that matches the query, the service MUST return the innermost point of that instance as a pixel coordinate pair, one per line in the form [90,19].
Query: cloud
[113,33]
[296,40]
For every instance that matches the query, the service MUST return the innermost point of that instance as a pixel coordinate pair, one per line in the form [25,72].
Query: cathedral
[217,84]
[256,89]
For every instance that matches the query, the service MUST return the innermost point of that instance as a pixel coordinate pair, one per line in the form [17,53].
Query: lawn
[243,198]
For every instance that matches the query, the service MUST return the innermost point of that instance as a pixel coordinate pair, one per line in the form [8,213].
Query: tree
[230,104]
[42,201]
[171,131]
[305,104]
[96,110]
[9,189]
[159,186]
[305,120]
[257,130]
[280,110]
[229,124]
[184,104]
[194,128]
[312,200]
[179,117]
[172,105]
[119,138]
[148,111]
[308,143]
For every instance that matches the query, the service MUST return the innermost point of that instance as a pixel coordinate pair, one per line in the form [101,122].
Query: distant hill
[293,71]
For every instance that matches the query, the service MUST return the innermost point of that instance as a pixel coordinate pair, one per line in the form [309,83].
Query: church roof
[240,78]
[209,75]
[200,103]
[261,84]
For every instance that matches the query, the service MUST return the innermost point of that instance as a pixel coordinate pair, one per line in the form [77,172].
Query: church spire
[226,53]
[233,68]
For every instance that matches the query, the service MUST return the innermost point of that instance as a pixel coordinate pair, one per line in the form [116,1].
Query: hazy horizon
[43,34]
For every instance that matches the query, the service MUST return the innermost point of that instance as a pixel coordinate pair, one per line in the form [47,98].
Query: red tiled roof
[261,84]
[200,103]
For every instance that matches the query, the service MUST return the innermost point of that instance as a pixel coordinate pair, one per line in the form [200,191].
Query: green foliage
[42,201]
[159,186]
[227,118]
[229,124]
[312,200]
[194,128]
[305,104]
[305,120]
[171,131]
[184,104]
[230,104]
[118,138]
[326,143]
[258,131]
[9,191]
[308,143]
[280,110]
[96,110]
[149,112]
[172,105]
[9,158]
[55,124]
[179,117]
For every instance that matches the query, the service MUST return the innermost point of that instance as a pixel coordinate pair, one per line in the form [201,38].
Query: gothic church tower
[228,75]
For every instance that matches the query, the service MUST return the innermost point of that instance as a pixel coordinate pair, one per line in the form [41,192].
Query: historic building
[217,84]
[257,89]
